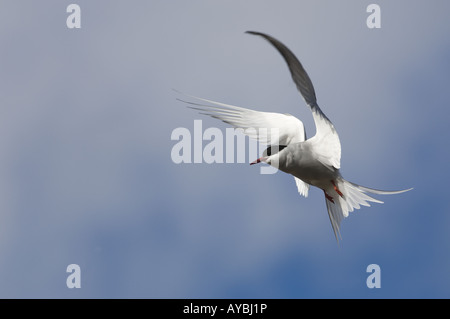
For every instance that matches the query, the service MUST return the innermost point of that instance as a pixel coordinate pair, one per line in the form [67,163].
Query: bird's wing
[302,187]
[266,127]
[326,141]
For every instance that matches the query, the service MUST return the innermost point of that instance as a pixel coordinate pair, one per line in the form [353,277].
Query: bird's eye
[273,149]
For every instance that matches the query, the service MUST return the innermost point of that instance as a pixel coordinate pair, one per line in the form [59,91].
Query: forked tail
[343,197]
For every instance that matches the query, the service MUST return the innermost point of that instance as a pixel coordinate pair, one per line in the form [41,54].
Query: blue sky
[86,175]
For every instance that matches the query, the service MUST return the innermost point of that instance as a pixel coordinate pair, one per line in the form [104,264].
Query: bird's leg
[328,197]
[337,189]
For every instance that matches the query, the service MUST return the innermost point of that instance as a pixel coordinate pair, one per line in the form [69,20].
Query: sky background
[86,175]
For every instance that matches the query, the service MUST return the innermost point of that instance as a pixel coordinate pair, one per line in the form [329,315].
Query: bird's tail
[343,197]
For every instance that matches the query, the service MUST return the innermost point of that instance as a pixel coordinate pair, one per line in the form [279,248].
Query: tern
[314,161]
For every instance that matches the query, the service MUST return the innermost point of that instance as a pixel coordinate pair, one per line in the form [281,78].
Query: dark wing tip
[299,75]
[259,33]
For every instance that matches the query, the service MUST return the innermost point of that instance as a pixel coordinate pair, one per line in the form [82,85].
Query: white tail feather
[353,197]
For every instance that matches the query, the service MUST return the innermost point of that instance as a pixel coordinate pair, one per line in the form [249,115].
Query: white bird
[314,161]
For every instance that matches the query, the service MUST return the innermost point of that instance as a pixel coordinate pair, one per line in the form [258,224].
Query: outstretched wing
[326,141]
[266,127]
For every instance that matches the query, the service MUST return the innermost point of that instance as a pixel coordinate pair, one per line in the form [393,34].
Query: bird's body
[314,161]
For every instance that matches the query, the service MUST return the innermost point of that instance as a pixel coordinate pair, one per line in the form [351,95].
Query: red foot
[337,189]
[328,197]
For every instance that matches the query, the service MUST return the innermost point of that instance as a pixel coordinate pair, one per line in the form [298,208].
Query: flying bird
[315,161]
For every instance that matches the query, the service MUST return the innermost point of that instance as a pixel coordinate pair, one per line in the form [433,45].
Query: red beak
[259,160]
